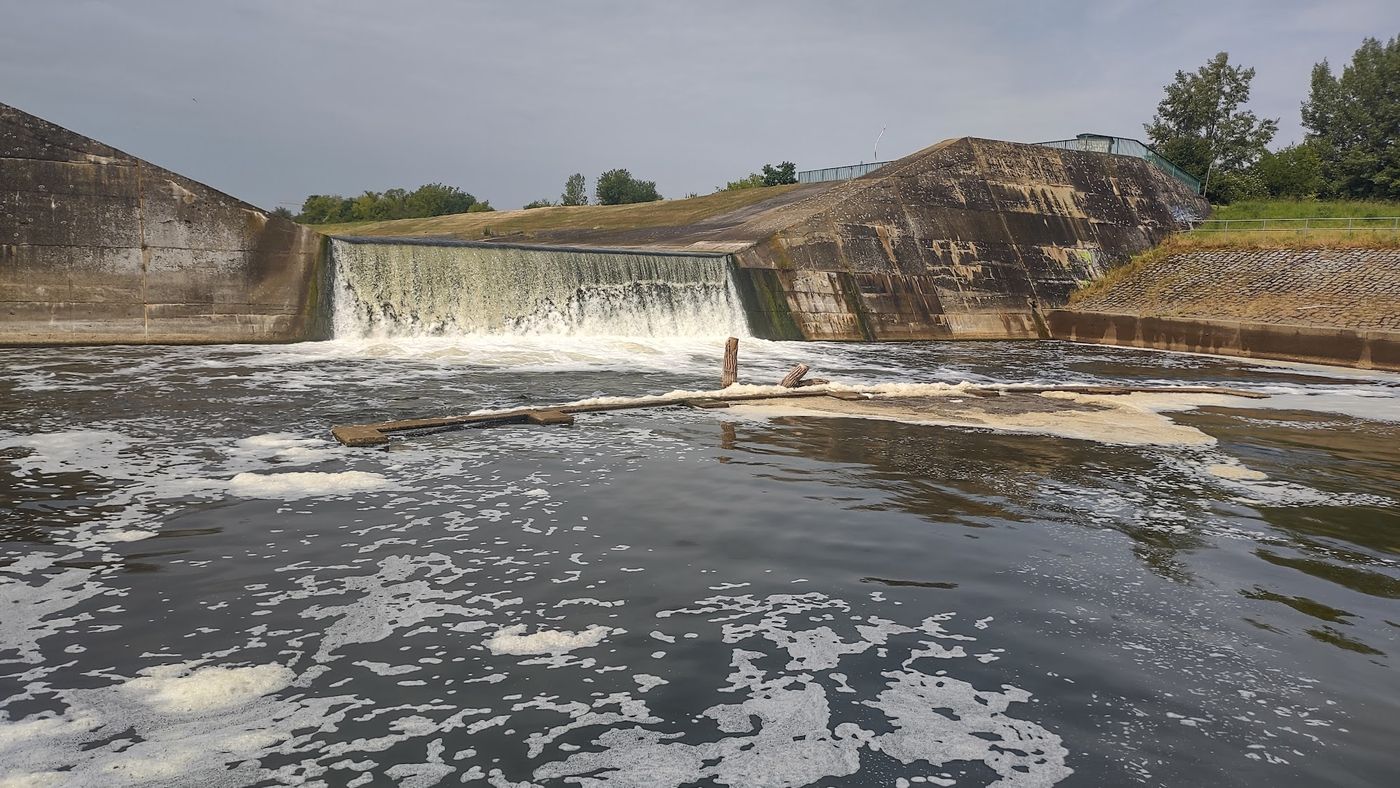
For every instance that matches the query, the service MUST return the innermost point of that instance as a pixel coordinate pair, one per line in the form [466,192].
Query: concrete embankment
[1326,306]
[98,246]
[966,239]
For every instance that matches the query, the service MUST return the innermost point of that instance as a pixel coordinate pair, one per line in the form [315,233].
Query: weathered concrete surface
[963,240]
[1348,288]
[1324,306]
[97,246]
[1317,344]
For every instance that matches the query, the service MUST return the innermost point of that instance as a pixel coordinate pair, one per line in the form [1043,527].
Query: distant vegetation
[433,199]
[780,175]
[1352,122]
[618,187]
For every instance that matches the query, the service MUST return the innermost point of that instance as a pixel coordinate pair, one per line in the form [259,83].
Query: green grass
[1304,209]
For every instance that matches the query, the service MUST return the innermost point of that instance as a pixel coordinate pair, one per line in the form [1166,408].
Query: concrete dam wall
[97,246]
[968,239]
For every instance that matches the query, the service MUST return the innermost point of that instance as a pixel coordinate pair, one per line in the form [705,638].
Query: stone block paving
[1349,288]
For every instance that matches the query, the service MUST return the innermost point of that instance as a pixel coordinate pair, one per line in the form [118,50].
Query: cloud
[272,101]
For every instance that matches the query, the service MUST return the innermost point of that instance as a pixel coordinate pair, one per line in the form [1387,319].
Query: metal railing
[846,173]
[1343,223]
[1124,146]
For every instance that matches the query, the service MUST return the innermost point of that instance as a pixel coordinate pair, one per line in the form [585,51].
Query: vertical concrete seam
[141,238]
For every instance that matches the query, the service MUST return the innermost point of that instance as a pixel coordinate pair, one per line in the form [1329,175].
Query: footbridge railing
[1124,146]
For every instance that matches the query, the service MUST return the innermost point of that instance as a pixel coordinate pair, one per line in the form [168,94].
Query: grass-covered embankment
[1278,223]
[525,223]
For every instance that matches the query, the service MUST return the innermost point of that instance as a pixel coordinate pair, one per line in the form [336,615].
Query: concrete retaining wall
[1365,349]
[959,241]
[97,246]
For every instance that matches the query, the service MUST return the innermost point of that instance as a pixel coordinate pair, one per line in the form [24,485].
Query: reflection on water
[198,586]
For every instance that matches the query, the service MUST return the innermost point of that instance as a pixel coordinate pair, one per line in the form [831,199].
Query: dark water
[196,587]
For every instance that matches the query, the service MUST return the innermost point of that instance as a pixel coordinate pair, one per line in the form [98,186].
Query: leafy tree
[1201,124]
[282,212]
[779,175]
[753,181]
[433,199]
[540,204]
[1294,171]
[575,192]
[480,207]
[324,209]
[1354,121]
[618,187]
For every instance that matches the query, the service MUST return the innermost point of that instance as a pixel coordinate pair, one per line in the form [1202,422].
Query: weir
[397,288]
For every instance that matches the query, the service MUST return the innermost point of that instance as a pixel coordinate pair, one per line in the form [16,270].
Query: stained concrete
[98,246]
[1332,345]
[968,239]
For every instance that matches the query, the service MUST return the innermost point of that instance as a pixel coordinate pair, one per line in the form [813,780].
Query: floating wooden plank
[730,374]
[706,404]
[794,377]
[550,417]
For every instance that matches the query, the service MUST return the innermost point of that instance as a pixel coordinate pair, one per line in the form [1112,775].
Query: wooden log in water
[793,378]
[730,374]
[377,434]
[550,417]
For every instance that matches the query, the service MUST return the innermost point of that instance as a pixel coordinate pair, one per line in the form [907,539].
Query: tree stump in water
[794,378]
[730,375]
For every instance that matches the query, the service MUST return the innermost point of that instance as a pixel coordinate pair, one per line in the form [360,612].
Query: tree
[483,206]
[540,204]
[618,187]
[1294,171]
[1354,121]
[779,175]
[575,191]
[432,199]
[1201,124]
[753,181]
[282,212]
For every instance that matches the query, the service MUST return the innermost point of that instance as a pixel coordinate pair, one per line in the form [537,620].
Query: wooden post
[730,375]
[794,378]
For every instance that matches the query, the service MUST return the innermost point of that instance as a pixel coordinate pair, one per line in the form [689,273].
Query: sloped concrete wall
[968,239]
[97,246]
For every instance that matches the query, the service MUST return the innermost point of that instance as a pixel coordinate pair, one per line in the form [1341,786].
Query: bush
[618,187]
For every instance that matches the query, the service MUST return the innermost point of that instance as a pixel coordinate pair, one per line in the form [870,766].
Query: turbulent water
[197,587]
[399,289]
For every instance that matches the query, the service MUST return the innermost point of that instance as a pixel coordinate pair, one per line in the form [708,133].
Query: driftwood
[730,374]
[376,434]
[793,378]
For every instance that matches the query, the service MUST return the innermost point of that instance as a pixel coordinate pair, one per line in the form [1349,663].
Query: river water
[198,587]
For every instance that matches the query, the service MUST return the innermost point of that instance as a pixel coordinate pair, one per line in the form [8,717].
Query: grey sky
[271,100]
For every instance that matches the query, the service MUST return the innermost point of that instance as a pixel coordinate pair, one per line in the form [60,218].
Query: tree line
[1351,148]
[431,199]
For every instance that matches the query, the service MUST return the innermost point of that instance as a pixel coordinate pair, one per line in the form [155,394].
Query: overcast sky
[271,100]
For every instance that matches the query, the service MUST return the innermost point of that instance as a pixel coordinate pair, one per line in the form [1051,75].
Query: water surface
[197,586]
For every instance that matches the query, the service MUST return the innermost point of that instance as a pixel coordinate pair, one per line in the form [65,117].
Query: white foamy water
[395,289]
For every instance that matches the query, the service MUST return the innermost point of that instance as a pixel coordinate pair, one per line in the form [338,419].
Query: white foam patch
[1236,471]
[309,484]
[178,689]
[1127,420]
[510,640]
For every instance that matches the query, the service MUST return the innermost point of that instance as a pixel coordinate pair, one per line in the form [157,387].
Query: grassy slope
[472,226]
[1295,209]
[1303,209]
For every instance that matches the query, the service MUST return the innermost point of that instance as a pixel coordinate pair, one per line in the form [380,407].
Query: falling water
[402,289]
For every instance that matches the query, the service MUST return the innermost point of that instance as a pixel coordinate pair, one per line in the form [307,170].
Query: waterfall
[417,289]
